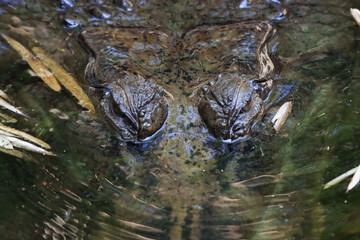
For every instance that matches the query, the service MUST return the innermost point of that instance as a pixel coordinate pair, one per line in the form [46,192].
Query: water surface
[177,186]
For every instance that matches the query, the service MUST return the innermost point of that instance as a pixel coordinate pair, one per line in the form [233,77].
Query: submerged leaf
[4,95]
[5,143]
[10,107]
[25,136]
[15,153]
[356,15]
[7,118]
[281,116]
[34,63]
[6,133]
[64,78]
[27,146]
[355,179]
[340,178]
[60,114]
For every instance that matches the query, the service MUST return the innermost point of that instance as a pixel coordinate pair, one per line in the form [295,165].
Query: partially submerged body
[221,71]
[182,94]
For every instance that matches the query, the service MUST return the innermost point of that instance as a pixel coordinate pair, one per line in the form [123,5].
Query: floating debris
[4,95]
[8,135]
[5,143]
[51,72]
[340,178]
[26,145]
[355,179]
[355,172]
[15,153]
[7,105]
[258,181]
[10,107]
[38,67]
[8,141]
[7,118]
[64,78]
[60,114]
[25,136]
[356,15]
[281,116]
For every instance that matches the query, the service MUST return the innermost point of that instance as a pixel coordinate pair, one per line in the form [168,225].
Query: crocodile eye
[135,107]
[121,114]
[230,107]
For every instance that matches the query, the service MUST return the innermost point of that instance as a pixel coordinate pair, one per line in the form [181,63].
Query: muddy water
[184,184]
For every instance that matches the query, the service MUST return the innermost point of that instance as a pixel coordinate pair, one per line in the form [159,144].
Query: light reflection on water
[268,187]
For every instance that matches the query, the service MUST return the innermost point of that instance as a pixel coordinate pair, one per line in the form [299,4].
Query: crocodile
[187,89]
[186,96]
[223,72]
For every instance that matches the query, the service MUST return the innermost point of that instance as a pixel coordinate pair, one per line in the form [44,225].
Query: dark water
[269,186]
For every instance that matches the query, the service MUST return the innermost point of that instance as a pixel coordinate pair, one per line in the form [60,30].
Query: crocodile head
[142,73]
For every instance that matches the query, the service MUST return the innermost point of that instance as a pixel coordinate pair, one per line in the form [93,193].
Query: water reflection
[182,187]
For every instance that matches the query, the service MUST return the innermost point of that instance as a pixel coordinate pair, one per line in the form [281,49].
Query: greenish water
[180,186]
